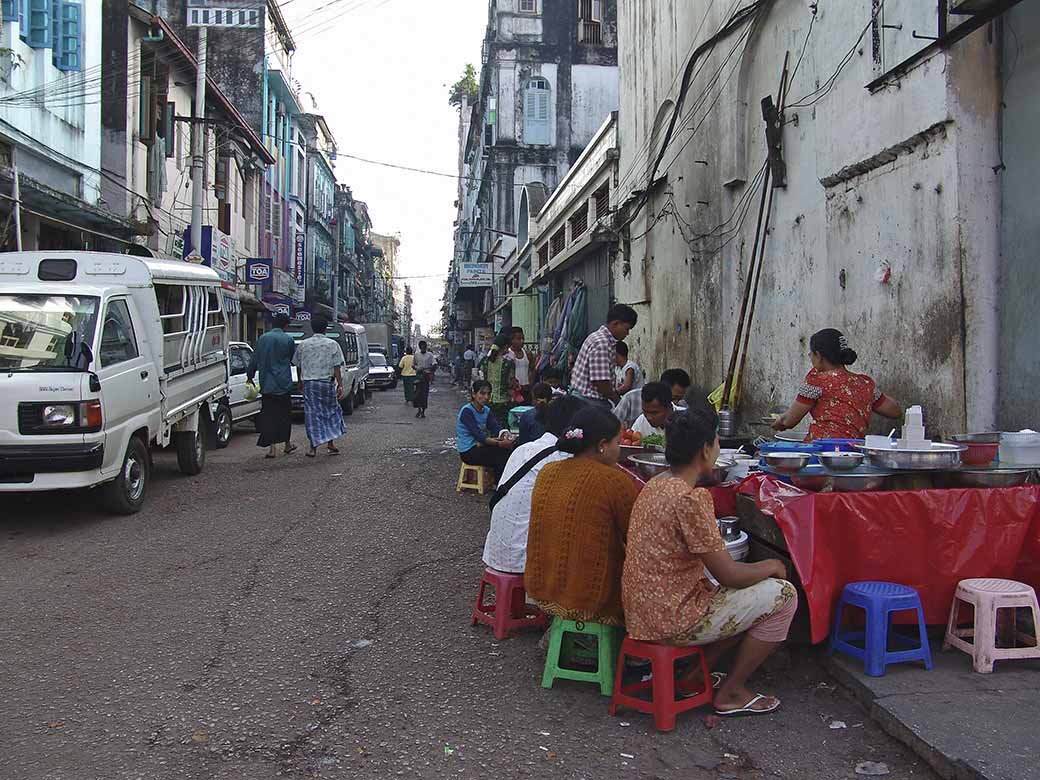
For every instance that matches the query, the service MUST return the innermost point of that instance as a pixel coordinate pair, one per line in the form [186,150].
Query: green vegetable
[654,439]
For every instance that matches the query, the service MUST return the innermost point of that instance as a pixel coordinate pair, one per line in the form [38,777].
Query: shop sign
[299,259]
[282,282]
[259,270]
[475,274]
[282,308]
[302,315]
[217,251]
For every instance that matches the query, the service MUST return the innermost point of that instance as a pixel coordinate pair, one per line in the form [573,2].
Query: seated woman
[480,437]
[579,521]
[672,539]
[506,546]
[532,422]
[840,401]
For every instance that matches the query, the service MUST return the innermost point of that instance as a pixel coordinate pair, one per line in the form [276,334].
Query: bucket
[738,550]
[1020,448]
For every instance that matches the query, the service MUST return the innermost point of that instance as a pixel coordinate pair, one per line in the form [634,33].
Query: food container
[982,447]
[742,466]
[628,450]
[937,457]
[855,483]
[841,461]
[834,445]
[990,478]
[1021,448]
[787,462]
[728,527]
[718,474]
[649,464]
[737,548]
[812,478]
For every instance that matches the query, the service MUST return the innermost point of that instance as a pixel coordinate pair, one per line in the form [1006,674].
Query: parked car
[354,343]
[236,406]
[380,374]
[102,355]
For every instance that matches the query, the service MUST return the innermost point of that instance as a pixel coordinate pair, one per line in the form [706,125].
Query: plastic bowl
[979,454]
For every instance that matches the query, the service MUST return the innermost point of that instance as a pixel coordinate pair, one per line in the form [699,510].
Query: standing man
[407,366]
[272,358]
[469,361]
[592,377]
[425,364]
[320,361]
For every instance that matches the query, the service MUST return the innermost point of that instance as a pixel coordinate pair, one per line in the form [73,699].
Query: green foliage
[465,91]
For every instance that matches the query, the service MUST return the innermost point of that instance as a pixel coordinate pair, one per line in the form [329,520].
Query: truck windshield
[46,332]
[377,359]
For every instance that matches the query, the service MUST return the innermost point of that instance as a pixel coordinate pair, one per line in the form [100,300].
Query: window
[589,19]
[214,314]
[240,359]
[601,197]
[34,17]
[528,6]
[67,34]
[580,221]
[557,242]
[536,112]
[117,335]
[10,10]
[169,133]
[171,307]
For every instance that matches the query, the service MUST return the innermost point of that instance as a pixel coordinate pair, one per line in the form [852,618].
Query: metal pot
[814,481]
[938,457]
[787,462]
[991,478]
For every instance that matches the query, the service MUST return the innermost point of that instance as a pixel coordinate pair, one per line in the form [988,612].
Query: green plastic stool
[608,642]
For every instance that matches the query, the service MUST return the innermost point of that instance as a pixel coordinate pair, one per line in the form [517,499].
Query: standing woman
[320,361]
[272,358]
[840,401]
[579,523]
[407,366]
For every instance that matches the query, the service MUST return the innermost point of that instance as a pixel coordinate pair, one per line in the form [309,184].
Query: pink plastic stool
[511,596]
[988,596]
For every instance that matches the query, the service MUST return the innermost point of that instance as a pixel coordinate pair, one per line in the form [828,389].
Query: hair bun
[848,356]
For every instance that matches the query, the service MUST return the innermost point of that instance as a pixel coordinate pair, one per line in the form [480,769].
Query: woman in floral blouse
[672,537]
[840,401]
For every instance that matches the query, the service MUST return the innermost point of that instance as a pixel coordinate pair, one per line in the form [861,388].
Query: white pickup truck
[102,355]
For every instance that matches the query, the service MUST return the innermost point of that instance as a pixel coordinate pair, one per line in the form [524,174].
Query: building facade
[548,80]
[889,171]
[320,272]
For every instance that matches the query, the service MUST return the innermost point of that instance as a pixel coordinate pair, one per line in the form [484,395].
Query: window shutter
[10,10]
[39,26]
[71,42]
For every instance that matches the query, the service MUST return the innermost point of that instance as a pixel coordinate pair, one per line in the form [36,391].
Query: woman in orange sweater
[579,521]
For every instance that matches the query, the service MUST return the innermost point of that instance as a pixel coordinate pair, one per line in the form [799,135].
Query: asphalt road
[310,618]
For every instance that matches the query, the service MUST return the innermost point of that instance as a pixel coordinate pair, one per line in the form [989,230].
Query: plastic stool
[880,600]
[515,612]
[606,653]
[988,596]
[662,705]
[481,479]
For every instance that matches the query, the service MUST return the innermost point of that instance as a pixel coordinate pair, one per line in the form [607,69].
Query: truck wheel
[191,449]
[348,404]
[222,427]
[125,494]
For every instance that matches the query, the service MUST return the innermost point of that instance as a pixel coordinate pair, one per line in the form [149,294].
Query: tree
[464,92]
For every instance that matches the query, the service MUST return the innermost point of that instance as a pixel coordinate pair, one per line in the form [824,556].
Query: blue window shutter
[70,44]
[40,24]
[10,8]
[56,30]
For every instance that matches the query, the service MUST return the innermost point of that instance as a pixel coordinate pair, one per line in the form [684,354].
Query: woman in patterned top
[672,537]
[840,401]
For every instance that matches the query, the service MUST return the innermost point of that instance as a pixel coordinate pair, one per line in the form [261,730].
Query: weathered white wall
[595,93]
[901,176]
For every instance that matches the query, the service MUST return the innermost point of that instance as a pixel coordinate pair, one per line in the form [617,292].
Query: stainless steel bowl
[813,481]
[938,457]
[718,474]
[976,438]
[841,461]
[991,478]
[787,462]
[854,483]
[628,451]
[650,464]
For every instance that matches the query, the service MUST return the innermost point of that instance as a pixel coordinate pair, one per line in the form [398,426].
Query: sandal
[270,457]
[291,449]
[749,708]
[333,450]
[313,453]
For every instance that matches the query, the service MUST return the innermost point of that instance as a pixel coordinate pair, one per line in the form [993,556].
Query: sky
[380,71]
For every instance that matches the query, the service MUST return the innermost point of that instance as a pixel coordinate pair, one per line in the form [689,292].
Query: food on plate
[631,438]
[653,440]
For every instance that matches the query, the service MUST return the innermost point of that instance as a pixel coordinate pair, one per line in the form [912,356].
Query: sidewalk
[967,726]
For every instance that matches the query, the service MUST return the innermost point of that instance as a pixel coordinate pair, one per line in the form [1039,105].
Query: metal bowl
[841,461]
[650,464]
[976,438]
[787,462]
[991,478]
[854,483]
[812,479]
[718,474]
[629,450]
[938,458]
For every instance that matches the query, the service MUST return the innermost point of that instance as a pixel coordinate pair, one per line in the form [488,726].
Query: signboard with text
[475,274]
[217,251]
[259,270]
[300,266]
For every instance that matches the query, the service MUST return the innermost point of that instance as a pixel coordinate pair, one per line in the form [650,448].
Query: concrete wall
[1020,229]
[900,178]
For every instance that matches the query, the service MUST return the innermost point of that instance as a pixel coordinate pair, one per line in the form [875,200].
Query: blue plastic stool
[879,600]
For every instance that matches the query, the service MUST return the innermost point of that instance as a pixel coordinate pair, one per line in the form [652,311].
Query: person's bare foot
[739,700]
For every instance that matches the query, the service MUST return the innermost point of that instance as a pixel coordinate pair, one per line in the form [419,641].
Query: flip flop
[333,450]
[312,454]
[270,457]
[749,708]
[291,449]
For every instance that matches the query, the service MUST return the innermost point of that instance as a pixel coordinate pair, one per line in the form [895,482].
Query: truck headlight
[59,415]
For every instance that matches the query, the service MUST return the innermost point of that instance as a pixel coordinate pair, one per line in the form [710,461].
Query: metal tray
[941,457]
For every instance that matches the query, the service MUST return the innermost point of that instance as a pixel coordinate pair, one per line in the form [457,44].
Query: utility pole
[17,192]
[198,146]
[335,270]
[202,16]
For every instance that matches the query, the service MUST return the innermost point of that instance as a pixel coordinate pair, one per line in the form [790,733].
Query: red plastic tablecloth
[927,539]
[724,496]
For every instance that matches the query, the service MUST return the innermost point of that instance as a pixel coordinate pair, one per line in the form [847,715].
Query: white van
[353,340]
[101,355]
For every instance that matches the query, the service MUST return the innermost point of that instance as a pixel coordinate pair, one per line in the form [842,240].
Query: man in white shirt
[506,546]
[523,361]
[320,362]
[631,404]
[657,406]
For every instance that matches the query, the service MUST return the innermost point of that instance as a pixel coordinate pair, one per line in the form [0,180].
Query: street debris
[360,643]
[872,769]
[627,755]
[543,733]
[449,750]
[625,724]
[838,724]
[711,721]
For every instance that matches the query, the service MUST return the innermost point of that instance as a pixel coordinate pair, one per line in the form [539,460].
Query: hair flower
[843,343]
[575,433]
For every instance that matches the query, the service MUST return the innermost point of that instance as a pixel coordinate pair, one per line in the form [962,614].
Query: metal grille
[602,198]
[589,33]
[580,221]
[528,6]
[557,242]
[543,255]
[29,416]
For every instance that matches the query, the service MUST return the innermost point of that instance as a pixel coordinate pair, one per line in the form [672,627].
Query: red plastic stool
[509,590]
[663,705]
